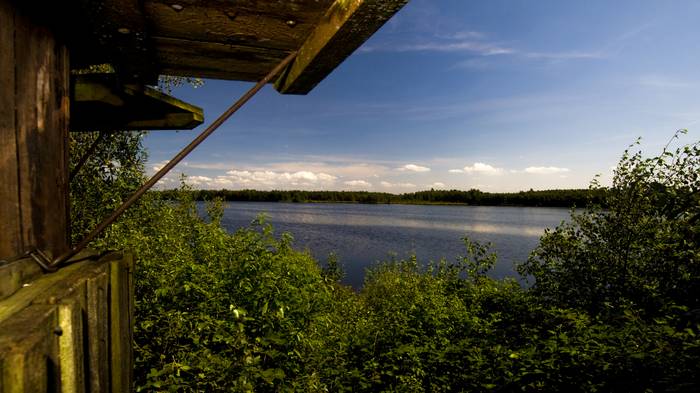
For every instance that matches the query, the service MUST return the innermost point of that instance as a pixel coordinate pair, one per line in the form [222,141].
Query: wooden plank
[346,26]
[271,24]
[99,102]
[15,274]
[71,341]
[25,296]
[51,288]
[121,325]
[41,106]
[121,31]
[29,360]
[129,265]
[97,333]
[214,60]
[10,228]
[78,317]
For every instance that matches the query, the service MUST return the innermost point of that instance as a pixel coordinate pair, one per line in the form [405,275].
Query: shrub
[642,251]
[613,307]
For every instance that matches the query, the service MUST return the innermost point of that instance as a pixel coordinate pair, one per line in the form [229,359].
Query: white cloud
[462,35]
[456,171]
[387,184]
[475,63]
[166,182]
[663,82]
[256,179]
[158,165]
[337,166]
[438,185]
[469,42]
[545,170]
[358,183]
[566,55]
[462,41]
[483,169]
[199,180]
[273,179]
[414,168]
[481,48]
[207,166]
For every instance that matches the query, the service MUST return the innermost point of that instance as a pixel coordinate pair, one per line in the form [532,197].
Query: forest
[612,305]
[550,198]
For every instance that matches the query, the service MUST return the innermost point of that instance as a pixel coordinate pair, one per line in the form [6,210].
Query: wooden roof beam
[120,30]
[346,25]
[100,103]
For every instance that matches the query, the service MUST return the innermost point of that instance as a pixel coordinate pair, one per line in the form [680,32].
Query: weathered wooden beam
[100,103]
[203,59]
[48,285]
[29,351]
[97,316]
[33,135]
[121,324]
[119,31]
[345,26]
[70,331]
[10,226]
[13,275]
[271,24]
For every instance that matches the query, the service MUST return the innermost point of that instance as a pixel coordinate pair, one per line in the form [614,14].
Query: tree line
[550,198]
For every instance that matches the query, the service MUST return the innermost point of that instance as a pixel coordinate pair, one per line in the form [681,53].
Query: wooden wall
[34,99]
[68,331]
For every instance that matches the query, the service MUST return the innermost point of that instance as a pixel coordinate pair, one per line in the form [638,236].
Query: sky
[499,95]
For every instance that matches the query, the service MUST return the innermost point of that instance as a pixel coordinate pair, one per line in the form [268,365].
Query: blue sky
[500,95]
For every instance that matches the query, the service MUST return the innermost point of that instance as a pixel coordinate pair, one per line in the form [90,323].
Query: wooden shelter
[70,330]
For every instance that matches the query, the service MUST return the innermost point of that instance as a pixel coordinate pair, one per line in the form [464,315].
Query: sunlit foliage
[613,306]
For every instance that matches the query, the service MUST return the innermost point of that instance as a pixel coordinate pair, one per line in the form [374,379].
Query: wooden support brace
[344,27]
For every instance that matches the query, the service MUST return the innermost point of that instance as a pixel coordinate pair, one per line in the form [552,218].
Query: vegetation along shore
[614,303]
[548,198]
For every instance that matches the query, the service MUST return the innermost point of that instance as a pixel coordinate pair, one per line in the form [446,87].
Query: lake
[361,235]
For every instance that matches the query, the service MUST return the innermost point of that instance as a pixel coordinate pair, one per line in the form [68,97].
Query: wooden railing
[68,331]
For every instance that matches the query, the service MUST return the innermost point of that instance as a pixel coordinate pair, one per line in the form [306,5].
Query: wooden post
[34,83]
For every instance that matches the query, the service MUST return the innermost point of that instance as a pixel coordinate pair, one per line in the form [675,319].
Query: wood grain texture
[15,274]
[41,123]
[29,351]
[71,342]
[117,32]
[121,324]
[215,60]
[99,102]
[224,39]
[47,288]
[97,329]
[10,227]
[346,26]
[56,334]
[270,24]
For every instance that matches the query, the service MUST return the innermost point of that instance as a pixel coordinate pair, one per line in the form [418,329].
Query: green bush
[642,251]
[220,311]
[613,307]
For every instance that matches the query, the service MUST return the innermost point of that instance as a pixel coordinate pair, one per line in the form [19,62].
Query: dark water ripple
[361,235]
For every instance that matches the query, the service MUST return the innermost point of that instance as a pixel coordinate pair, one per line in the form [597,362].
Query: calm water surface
[361,235]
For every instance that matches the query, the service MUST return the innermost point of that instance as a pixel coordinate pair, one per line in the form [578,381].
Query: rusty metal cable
[174,161]
[90,151]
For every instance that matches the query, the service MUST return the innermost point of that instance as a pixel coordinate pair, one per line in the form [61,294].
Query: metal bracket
[42,260]
[37,256]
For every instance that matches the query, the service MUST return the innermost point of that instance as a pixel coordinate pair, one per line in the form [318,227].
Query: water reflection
[401,222]
[363,234]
